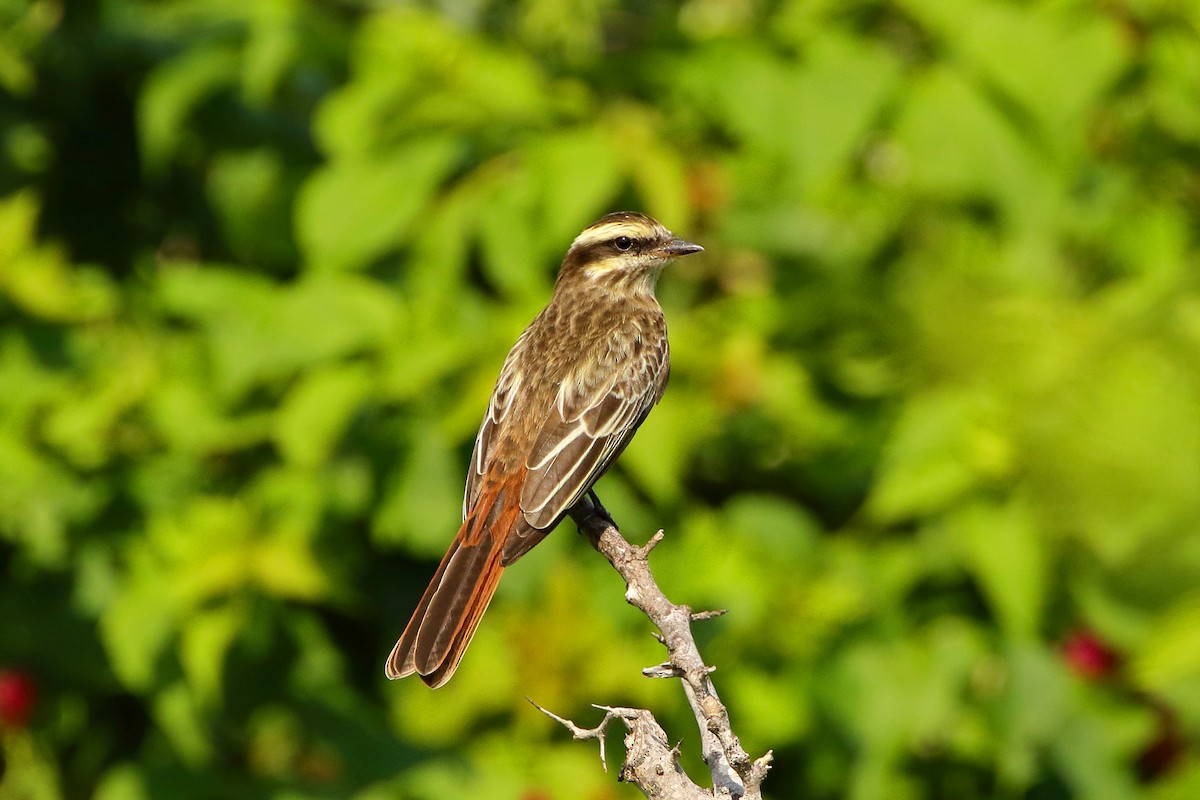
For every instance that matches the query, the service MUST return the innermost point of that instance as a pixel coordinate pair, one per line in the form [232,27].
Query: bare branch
[651,763]
[581,734]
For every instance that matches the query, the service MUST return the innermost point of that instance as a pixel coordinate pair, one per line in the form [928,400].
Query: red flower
[18,696]
[1088,655]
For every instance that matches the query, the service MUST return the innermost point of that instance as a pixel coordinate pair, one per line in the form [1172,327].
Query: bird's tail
[450,610]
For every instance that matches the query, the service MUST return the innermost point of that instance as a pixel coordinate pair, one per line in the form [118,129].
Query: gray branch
[651,762]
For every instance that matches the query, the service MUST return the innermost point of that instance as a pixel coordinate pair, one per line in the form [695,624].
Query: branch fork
[651,762]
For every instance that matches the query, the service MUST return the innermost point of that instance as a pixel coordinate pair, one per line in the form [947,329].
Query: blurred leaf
[38,278]
[1115,453]
[260,332]
[581,171]
[357,209]
[1095,746]
[927,463]
[273,47]
[138,624]
[509,237]
[206,639]
[316,411]
[23,27]
[1004,550]
[778,526]
[251,193]
[422,503]
[83,424]
[123,782]
[441,247]
[759,698]
[38,500]
[1174,59]
[1053,60]
[29,772]
[660,452]
[838,95]
[177,717]
[286,567]
[416,72]
[1170,652]
[173,92]
[1033,708]
[988,160]
[1180,784]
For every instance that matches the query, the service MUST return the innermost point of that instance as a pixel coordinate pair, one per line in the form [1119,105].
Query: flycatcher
[574,388]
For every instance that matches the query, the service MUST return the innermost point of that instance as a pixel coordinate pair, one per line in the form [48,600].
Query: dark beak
[678,247]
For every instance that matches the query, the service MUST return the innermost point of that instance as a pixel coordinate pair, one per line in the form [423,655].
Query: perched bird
[574,388]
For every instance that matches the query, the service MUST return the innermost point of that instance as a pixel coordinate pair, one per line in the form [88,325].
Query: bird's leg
[601,511]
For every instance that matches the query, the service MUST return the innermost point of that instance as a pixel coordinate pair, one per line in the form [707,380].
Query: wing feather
[507,387]
[584,432]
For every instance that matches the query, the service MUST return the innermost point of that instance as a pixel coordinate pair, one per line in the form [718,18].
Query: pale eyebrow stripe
[609,230]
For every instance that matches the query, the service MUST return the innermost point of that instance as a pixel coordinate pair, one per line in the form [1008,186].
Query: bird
[571,393]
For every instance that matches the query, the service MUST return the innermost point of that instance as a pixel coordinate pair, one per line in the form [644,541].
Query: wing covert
[507,387]
[586,430]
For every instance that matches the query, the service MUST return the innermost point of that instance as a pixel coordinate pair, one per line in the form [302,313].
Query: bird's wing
[587,428]
[507,387]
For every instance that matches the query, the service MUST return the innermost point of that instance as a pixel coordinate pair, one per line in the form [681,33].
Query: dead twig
[651,763]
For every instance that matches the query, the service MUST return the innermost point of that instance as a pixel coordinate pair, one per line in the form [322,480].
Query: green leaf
[284,565]
[251,192]
[926,465]
[1053,60]
[657,456]
[140,621]
[172,93]
[177,716]
[780,527]
[1170,653]
[1113,455]
[38,278]
[1174,62]
[509,239]
[357,209]
[577,172]
[838,95]
[123,782]
[260,332]
[205,640]
[422,503]
[317,410]
[1004,549]
[988,160]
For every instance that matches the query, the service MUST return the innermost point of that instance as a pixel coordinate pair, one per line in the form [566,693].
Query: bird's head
[624,250]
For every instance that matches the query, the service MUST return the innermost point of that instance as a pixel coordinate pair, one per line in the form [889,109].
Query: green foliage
[933,433]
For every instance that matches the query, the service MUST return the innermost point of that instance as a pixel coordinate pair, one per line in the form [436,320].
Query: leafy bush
[933,433]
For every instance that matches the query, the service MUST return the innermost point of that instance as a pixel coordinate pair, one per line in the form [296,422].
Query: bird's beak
[678,247]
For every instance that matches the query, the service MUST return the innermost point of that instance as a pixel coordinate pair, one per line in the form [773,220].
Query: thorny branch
[651,762]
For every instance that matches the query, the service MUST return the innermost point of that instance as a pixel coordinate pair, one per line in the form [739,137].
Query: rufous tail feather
[449,612]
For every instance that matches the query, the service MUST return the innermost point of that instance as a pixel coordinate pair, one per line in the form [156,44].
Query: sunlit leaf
[927,463]
[317,410]
[205,641]
[357,209]
[1005,551]
[177,716]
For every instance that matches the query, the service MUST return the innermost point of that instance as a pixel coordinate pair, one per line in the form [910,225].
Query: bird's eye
[623,243]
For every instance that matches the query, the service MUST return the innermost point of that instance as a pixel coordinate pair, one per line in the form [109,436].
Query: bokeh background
[933,432]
